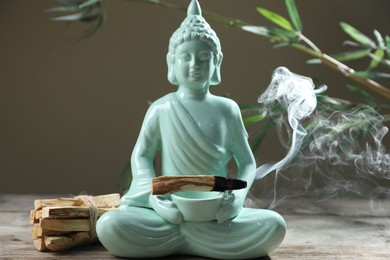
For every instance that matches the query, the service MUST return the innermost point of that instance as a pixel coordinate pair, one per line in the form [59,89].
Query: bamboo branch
[314,51]
[348,72]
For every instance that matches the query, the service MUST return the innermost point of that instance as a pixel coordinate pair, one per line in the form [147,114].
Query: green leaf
[282,33]
[262,133]
[371,74]
[260,30]
[292,40]
[345,56]
[386,63]
[379,39]
[351,55]
[95,26]
[370,100]
[357,35]
[275,18]
[249,106]
[386,118]
[282,44]
[332,103]
[63,9]
[248,120]
[270,32]
[328,100]
[314,61]
[378,56]
[88,3]
[71,17]
[294,15]
[387,38]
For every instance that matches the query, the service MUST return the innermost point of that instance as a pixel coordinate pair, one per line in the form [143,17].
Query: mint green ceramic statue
[197,133]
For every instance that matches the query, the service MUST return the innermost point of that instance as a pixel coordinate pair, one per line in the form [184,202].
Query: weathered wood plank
[300,252]
[337,231]
[310,235]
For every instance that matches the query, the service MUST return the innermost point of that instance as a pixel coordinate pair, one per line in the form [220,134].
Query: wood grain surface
[312,234]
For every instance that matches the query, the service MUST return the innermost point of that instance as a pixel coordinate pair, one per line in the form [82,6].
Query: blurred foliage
[87,11]
[290,34]
[287,32]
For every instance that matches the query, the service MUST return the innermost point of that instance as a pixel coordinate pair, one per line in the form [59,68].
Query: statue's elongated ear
[171,69]
[216,77]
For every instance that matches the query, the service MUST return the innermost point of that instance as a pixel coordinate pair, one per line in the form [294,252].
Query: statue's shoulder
[162,102]
[226,104]
[158,108]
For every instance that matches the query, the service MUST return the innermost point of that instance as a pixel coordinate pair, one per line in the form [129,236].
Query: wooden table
[332,230]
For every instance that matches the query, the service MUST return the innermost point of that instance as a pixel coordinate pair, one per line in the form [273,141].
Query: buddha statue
[195,133]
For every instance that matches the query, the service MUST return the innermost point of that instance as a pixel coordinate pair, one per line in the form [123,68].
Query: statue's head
[195,28]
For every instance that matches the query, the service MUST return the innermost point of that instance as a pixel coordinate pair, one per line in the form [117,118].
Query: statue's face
[194,64]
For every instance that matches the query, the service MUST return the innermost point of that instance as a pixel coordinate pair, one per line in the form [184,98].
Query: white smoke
[297,96]
[330,154]
[351,138]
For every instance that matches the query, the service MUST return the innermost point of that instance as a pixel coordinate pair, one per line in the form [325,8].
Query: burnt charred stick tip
[222,184]
[170,184]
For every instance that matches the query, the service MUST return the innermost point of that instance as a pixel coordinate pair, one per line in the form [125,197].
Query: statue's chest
[210,121]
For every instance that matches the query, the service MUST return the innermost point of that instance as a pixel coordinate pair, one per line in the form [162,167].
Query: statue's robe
[185,149]
[136,230]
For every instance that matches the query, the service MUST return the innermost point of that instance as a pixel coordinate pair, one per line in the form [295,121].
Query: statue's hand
[229,209]
[166,209]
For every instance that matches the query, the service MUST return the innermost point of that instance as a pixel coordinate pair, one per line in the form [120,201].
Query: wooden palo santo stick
[65,225]
[38,232]
[35,215]
[59,243]
[39,244]
[170,184]
[70,212]
[102,201]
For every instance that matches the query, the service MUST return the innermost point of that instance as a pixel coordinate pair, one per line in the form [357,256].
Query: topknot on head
[194,27]
[194,8]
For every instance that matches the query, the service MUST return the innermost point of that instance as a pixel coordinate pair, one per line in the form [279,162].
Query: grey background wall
[70,113]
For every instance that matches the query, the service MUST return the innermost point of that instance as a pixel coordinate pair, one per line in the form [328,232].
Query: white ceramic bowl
[198,206]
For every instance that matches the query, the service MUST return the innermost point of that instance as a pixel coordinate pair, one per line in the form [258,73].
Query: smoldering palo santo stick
[170,184]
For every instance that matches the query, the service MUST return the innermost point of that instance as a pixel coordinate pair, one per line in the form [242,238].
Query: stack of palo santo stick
[64,223]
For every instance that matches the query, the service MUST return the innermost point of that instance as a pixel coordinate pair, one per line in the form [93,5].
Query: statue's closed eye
[185,56]
[204,55]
